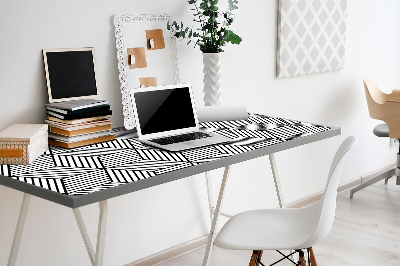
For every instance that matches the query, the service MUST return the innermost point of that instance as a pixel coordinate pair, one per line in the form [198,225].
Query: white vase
[212,75]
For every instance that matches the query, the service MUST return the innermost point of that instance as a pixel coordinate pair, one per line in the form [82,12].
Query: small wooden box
[23,143]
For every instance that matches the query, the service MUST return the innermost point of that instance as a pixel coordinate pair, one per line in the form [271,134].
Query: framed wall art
[311,36]
[146,53]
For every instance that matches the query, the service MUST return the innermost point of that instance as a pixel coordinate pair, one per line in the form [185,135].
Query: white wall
[146,222]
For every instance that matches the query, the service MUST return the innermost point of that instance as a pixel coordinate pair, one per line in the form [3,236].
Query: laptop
[166,118]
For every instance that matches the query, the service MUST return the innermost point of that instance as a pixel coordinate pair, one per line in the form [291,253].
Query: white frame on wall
[123,67]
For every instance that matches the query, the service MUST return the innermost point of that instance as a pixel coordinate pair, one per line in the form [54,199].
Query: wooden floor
[366,232]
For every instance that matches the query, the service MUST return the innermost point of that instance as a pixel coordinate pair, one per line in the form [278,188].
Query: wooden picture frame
[70,74]
[161,64]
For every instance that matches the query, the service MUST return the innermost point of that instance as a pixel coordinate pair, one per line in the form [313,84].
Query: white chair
[287,229]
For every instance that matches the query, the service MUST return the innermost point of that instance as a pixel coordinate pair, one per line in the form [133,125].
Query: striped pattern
[55,184]
[128,176]
[285,132]
[147,165]
[85,181]
[159,155]
[106,165]
[232,149]
[43,162]
[121,158]
[57,173]
[200,153]
[224,124]
[267,120]
[5,170]
[77,161]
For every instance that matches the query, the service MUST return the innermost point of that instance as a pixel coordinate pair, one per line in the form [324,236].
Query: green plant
[214,31]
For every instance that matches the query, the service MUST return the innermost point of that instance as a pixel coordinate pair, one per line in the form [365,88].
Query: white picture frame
[163,64]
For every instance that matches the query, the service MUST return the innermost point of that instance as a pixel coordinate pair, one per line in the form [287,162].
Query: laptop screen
[164,110]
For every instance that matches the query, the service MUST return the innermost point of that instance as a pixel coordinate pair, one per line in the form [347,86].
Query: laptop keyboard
[180,138]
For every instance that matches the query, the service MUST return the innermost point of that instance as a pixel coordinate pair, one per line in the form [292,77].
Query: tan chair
[385,107]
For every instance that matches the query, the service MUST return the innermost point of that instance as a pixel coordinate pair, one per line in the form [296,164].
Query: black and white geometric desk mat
[96,167]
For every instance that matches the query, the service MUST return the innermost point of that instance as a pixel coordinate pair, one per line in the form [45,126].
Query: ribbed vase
[212,75]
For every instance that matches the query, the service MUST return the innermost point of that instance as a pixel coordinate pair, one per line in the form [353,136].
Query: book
[79,111]
[79,137]
[79,121]
[69,127]
[80,143]
[77,104]
[82,131]
[79,116]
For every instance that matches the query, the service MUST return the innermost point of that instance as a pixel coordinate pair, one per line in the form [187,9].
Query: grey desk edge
[79,201]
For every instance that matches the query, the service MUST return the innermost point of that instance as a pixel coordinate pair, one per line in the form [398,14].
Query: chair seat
[269,229]
[381,130]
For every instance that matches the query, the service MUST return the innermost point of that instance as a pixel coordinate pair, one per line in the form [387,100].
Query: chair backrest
[375,99]
[327,203]
[385,107]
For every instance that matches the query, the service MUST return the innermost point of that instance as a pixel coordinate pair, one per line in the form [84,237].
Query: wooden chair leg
[313,260]
[302,259]
[255,258]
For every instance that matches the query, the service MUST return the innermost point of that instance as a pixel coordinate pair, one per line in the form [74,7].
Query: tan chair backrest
[385,107]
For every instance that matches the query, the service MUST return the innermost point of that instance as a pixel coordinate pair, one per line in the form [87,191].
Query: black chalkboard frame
[52,99]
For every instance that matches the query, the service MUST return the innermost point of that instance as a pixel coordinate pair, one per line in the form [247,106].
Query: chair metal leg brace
[95,258]
[211,237]
[19,230]
[385,175]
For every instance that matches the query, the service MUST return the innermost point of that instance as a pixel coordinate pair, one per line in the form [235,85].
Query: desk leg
[95,258]
[210,195]
[215,217]
[19,230]
[85,236]
[277,182]
[101,233]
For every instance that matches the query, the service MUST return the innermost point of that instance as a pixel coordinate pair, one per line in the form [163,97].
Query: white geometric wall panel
[311,36]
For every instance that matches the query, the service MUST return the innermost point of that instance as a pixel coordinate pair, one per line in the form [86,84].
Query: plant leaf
[233,37]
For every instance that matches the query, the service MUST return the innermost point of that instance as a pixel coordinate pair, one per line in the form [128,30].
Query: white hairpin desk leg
[95,258]
[19,230]
[215,217]
[85,236]
[277,182]
[101,233]
[210,194]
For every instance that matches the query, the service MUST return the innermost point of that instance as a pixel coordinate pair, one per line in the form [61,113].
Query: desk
[81,176]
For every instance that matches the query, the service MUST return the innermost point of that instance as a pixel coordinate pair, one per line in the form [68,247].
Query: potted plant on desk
[212,35]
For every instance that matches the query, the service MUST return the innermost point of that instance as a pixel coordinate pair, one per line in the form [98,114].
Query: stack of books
[79,123]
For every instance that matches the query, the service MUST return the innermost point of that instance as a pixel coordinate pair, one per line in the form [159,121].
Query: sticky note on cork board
[155,39]
[137,58]
[148,82]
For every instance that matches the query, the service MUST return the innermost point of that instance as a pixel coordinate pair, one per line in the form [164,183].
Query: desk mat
[92,168]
